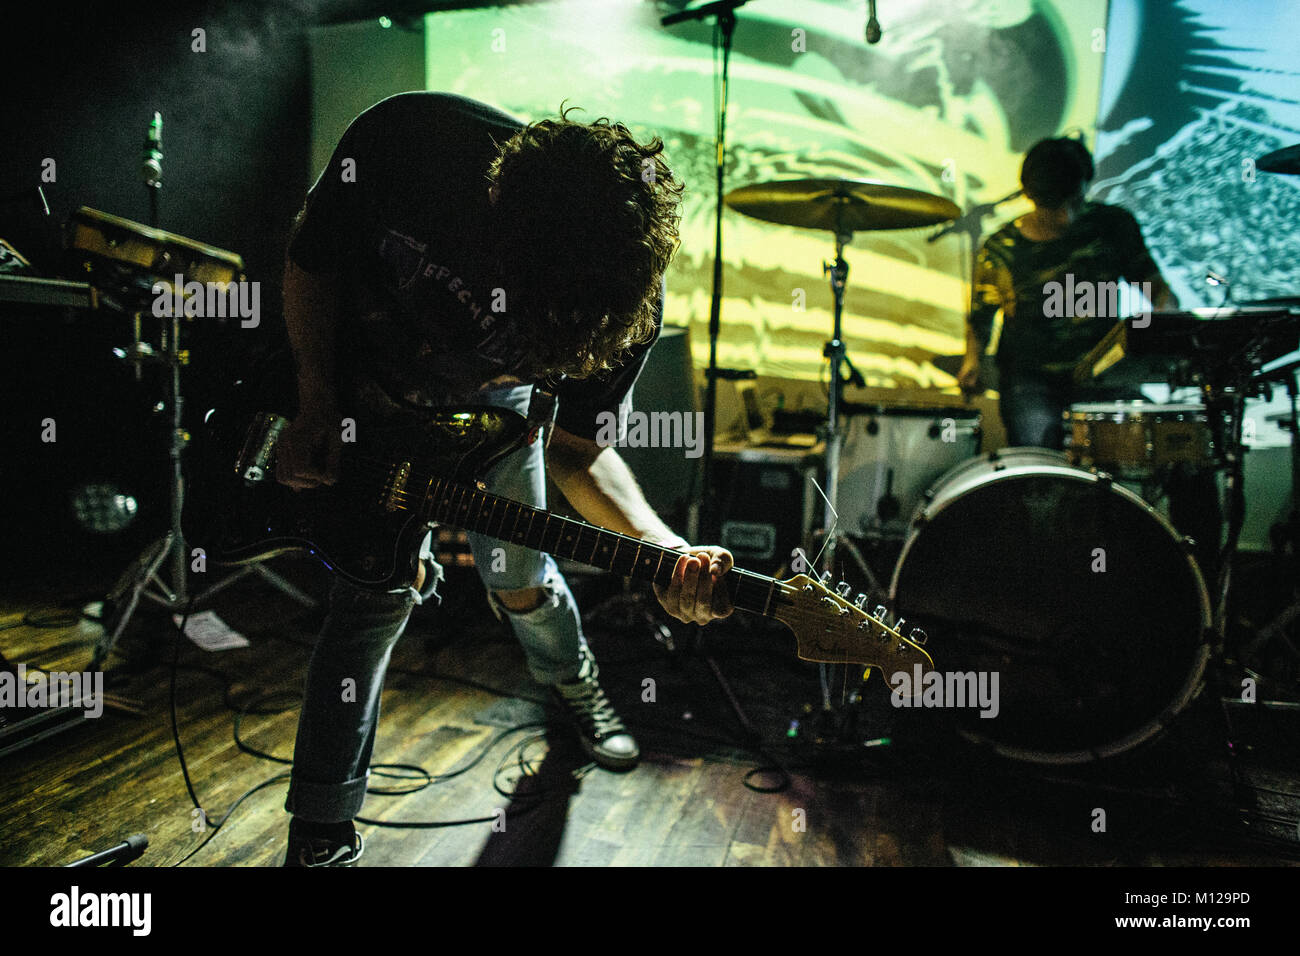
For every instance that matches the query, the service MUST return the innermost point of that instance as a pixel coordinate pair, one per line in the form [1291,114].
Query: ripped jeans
[340,710]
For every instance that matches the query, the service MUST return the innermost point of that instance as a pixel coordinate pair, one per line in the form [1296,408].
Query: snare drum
[1137,439]
[1082,600]
[891,455]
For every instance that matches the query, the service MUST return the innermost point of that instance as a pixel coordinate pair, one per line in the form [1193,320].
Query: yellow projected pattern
[804,104]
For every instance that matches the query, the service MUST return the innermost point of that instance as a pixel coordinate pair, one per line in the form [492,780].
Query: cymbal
[841,205]
[1285,160]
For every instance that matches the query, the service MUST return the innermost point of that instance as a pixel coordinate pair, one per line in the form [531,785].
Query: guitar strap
[541,414]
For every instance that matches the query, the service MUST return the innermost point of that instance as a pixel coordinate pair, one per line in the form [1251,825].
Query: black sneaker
[600,731]
[314,849]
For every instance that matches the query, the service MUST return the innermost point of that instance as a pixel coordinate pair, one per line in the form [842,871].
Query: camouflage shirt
[1043,327]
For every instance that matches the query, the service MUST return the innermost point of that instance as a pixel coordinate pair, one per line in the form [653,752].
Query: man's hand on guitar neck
[601,487]
[694,596]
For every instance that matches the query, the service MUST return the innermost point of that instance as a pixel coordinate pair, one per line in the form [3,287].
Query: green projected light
[946,103]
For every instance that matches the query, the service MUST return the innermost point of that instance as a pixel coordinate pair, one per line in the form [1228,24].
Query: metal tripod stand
[143,578]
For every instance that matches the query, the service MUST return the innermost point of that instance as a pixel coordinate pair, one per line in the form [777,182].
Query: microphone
[151,164]
[873,25]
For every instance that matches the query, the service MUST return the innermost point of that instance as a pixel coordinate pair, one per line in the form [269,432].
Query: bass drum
[1081,598]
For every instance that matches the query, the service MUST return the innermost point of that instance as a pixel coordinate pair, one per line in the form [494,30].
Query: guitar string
[373,467]
[370,467]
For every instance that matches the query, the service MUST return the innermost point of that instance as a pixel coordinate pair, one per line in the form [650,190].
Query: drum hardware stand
[836,351]
[144,572]
[171,548]
[1286,535]
[833,539]
[842,207]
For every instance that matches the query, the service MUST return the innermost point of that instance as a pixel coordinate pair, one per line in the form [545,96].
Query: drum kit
[1051,569]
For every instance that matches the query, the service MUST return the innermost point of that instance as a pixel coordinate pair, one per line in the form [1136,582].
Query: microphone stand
[704,518]
[703,521]
[972,224]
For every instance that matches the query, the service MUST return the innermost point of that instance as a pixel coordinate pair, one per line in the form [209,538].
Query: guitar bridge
[396,487]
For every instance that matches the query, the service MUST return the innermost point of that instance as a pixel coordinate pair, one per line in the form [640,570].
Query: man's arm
[986,299]
[308,453]
[1162,297]
[1143,264]
[311,315]
[599,484]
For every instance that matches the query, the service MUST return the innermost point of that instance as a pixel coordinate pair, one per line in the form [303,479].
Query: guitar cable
[215,824]
[526,767]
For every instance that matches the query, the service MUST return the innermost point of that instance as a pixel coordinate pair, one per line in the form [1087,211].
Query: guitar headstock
[831,630]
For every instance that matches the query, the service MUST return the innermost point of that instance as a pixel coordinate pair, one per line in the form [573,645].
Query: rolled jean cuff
[327,802]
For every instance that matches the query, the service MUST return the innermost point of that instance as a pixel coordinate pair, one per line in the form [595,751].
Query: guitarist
[449,255]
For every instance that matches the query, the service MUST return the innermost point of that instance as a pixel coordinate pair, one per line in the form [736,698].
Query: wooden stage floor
[458,692]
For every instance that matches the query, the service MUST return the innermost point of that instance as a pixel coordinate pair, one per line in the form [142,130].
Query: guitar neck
[471,509]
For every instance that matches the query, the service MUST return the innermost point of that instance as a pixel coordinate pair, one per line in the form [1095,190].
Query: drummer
[1066,240]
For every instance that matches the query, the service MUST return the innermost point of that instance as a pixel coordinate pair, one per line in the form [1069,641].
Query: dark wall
[79,84]
[82,83]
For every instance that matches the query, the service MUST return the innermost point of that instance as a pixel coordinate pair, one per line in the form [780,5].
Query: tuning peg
[898,625]
[825,579]
[860,600]
[880,612]
[918,636]
[843,588]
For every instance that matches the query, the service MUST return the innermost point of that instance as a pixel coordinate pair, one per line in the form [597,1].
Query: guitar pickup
[256,458]
[396,488]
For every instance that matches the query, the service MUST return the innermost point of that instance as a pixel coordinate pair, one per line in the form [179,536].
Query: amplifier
[767,502]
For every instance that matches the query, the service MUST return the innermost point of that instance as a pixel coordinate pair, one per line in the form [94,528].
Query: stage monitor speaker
[767,499]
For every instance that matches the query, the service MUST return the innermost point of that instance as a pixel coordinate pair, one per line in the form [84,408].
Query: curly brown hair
[585,224]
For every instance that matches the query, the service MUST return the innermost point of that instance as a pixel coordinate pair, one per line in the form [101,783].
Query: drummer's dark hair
[585,223]
[1056,170]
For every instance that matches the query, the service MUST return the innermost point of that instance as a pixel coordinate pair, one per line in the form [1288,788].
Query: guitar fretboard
[471,509]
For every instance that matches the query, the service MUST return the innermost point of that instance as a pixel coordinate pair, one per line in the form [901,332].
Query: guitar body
[362,528]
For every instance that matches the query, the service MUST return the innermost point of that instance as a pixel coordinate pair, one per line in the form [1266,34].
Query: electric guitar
[419,468]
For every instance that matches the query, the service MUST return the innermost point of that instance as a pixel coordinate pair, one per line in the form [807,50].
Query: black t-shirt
[1103,245]
[401,213]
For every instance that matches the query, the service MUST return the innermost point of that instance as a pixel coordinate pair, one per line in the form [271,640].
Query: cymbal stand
[833,539]
[1286,534]
[704,518]
[837,353]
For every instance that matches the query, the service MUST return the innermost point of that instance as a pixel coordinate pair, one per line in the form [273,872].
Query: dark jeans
[340,711]
[1033,407]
